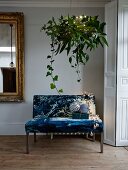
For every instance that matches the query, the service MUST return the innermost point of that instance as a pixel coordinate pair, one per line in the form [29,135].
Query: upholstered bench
[54,114]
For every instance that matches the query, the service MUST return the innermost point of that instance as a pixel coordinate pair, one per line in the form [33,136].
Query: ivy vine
[75,35]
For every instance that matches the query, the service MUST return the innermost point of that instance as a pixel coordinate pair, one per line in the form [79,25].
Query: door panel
[110,74]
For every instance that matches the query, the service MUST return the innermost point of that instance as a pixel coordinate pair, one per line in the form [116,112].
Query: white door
[110,74]
[122,75]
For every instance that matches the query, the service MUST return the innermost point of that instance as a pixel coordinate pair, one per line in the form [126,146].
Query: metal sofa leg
[27,143]
[34,137]
[86,135]
[93,137]
[51,136]
[101,142]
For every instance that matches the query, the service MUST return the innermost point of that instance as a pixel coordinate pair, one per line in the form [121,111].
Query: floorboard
[61,153]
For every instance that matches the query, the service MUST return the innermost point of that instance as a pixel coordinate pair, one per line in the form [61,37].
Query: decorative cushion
[84,108]
[91,106]
[74,107]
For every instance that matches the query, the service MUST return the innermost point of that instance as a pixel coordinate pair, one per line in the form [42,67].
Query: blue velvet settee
[64,114]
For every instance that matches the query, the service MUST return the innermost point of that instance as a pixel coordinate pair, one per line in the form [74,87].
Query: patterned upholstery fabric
[63,125]
[58,105]
[51,113]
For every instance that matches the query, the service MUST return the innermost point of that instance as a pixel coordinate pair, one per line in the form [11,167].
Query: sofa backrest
[59,105]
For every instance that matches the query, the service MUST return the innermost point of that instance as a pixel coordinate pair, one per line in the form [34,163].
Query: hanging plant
[75,35]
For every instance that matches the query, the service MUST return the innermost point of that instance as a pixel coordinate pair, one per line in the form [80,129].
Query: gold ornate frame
[16,18]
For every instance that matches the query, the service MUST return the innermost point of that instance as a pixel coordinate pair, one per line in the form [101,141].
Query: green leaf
[58,49]
[95,17]
[48,66]
[48,74]
[102,26]
[49,56]
[68,48]
[49,22]
[53,19]
[104,40]
[78,80]
[55,78]
[70,60]
[63,47]
[44,27]
[60,90]
[87,57]
[52,61]
[52,86]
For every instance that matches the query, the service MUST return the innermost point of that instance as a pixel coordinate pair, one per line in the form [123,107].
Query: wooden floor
[61,153]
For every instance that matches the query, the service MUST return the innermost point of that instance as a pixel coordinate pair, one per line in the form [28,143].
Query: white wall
[14,115]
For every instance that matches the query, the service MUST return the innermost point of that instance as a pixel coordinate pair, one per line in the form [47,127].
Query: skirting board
[12,129]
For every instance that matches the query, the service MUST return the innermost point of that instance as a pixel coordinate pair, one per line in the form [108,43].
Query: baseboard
[12,128]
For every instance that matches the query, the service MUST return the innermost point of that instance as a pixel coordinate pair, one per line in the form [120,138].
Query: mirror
[11,56]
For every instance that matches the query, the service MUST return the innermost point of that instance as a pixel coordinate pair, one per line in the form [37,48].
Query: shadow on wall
[93,78]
